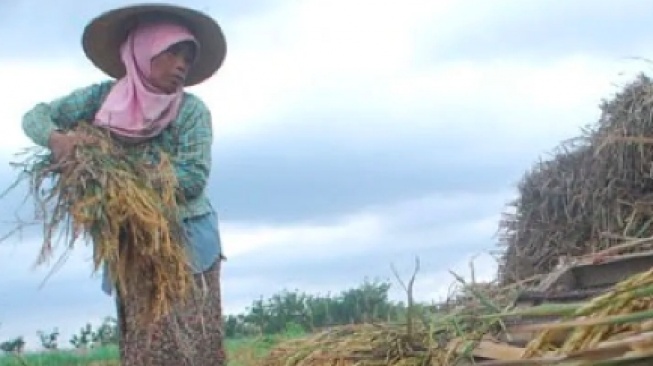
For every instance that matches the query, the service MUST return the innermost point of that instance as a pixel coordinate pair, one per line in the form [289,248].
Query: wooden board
[611,270]
[489,349]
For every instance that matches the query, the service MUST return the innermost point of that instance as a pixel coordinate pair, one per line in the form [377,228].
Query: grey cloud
[346,269]
[419,228]
[58,294]
[268,271]
[48,296]
[307,172]
[66,303]
[47,29]
[549,29]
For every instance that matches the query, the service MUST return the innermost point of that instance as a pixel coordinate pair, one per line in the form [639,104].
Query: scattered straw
[354,345]
[445,335]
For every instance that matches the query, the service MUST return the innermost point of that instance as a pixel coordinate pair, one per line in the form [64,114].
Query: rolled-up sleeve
[192,161]
[62,113]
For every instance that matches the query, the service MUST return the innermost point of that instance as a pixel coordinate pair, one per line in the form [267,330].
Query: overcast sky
[349,135]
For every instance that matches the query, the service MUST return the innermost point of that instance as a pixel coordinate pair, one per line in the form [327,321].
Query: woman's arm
[63,113]
[192,162]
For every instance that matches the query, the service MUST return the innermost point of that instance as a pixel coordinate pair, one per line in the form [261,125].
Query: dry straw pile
[127,208]
[596,191]
[354,345]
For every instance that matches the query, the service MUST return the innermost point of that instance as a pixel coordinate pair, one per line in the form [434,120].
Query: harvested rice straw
[624,309]
[127,208]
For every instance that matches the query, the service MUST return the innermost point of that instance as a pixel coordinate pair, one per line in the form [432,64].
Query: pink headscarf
[134,109]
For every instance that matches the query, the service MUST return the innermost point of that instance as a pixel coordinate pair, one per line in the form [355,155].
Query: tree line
[369,302]
[104,335]
[366,303]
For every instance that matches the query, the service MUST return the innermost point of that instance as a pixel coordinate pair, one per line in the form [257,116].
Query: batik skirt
[192,334]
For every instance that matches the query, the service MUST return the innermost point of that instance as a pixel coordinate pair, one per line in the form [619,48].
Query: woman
[154,51]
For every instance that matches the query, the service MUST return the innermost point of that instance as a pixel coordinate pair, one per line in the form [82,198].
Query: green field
[285,315]
[242,352]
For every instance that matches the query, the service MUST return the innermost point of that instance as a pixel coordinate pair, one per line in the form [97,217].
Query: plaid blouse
[187,139]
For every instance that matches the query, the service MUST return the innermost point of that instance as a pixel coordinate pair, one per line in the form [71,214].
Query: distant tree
[106,333]
[49,340]
[16,345]
[84,339]
[367,303]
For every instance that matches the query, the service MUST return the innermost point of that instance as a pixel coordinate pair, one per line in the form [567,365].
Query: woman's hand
[63,145]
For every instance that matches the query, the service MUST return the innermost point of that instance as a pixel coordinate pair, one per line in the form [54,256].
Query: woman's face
[168,70]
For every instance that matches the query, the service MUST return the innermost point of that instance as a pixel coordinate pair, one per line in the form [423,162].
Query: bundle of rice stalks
[112,195]
[596,190]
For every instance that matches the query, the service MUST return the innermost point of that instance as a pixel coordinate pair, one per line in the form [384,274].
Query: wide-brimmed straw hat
[104,35]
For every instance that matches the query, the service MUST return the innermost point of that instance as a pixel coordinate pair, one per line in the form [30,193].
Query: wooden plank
[591,273]
[519,337]
[561,279]
[489,350]
[539,297]
[611,270]
[623,350]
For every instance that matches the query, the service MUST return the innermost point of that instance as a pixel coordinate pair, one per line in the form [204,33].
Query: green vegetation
[288,314]
[101,355]
[367,303]
[243,352]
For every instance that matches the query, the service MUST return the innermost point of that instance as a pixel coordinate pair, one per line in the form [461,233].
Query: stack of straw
[596,191]
[126,206]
